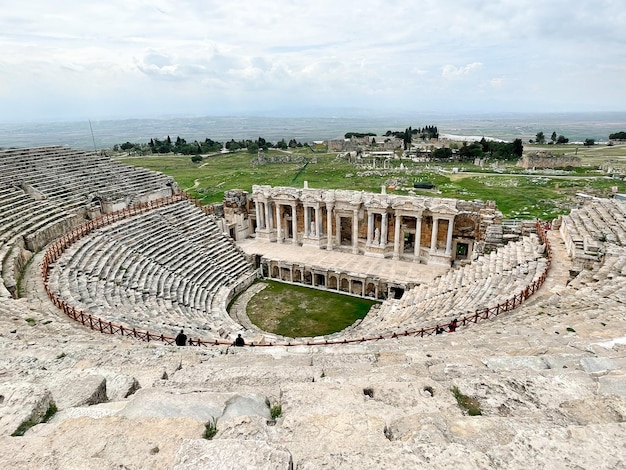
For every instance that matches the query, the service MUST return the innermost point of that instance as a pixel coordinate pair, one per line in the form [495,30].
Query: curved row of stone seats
[596,297]
[487,282]
[588,229]
[74,178]
[26,226]
[612,267]
[159,271]
[47,191]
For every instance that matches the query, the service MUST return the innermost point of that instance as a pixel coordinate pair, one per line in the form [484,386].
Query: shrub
[210,429]
[466,403]
[276,411]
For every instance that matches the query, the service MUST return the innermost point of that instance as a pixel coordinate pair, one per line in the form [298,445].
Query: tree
[232,145]
[518,148]
[540,138]
[468,153]
[618,136]
[589,142]
[442,154]
[407,138]
[562,140]
[553,137]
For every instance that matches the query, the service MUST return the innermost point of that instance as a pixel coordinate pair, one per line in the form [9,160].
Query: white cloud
[453,72]
[307,53]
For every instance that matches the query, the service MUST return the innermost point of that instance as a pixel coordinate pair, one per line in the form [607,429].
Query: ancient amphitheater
[102,264]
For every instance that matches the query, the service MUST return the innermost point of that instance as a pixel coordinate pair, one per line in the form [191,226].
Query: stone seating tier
[74,177]
[45,192]
[158,271]
[486,282]
[589,229]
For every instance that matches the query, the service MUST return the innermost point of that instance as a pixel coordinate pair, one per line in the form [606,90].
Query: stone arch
[466,225]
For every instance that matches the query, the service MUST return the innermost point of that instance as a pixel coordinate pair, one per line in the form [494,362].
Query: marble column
[355,231]
[338,230]
[433,237]
[318,222]
[370,227]
[449,238]
[279,225]
[418,236]
[269,220]
[396,238]
[266,215]
[384,228]
[307,221]
[294,223]
[257,208]
[329,226]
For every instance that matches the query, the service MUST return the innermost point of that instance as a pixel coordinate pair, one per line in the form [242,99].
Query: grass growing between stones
[469,404]
[34,420]
[210,429]
[276,411]
[296,311]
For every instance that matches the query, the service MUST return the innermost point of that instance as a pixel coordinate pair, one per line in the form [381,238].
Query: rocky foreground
[541,387]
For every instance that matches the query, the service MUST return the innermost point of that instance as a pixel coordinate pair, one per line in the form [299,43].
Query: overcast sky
[77,59]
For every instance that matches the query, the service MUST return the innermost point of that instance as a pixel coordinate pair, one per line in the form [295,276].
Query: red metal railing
[59,246]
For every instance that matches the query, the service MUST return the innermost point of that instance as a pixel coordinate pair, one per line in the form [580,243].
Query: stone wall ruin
[547,160]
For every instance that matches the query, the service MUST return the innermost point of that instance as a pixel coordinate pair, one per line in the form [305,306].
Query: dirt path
[196,183]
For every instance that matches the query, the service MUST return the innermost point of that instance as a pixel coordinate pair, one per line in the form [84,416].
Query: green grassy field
[517,194]
[295,311]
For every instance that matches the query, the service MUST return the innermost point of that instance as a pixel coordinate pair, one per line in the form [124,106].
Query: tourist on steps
[239,341]
[181,339]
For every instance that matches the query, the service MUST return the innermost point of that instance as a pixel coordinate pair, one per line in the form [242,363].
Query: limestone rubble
[549,378]
[542,386]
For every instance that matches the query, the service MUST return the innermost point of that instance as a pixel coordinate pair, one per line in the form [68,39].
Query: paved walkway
[402,272]
[558,276]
